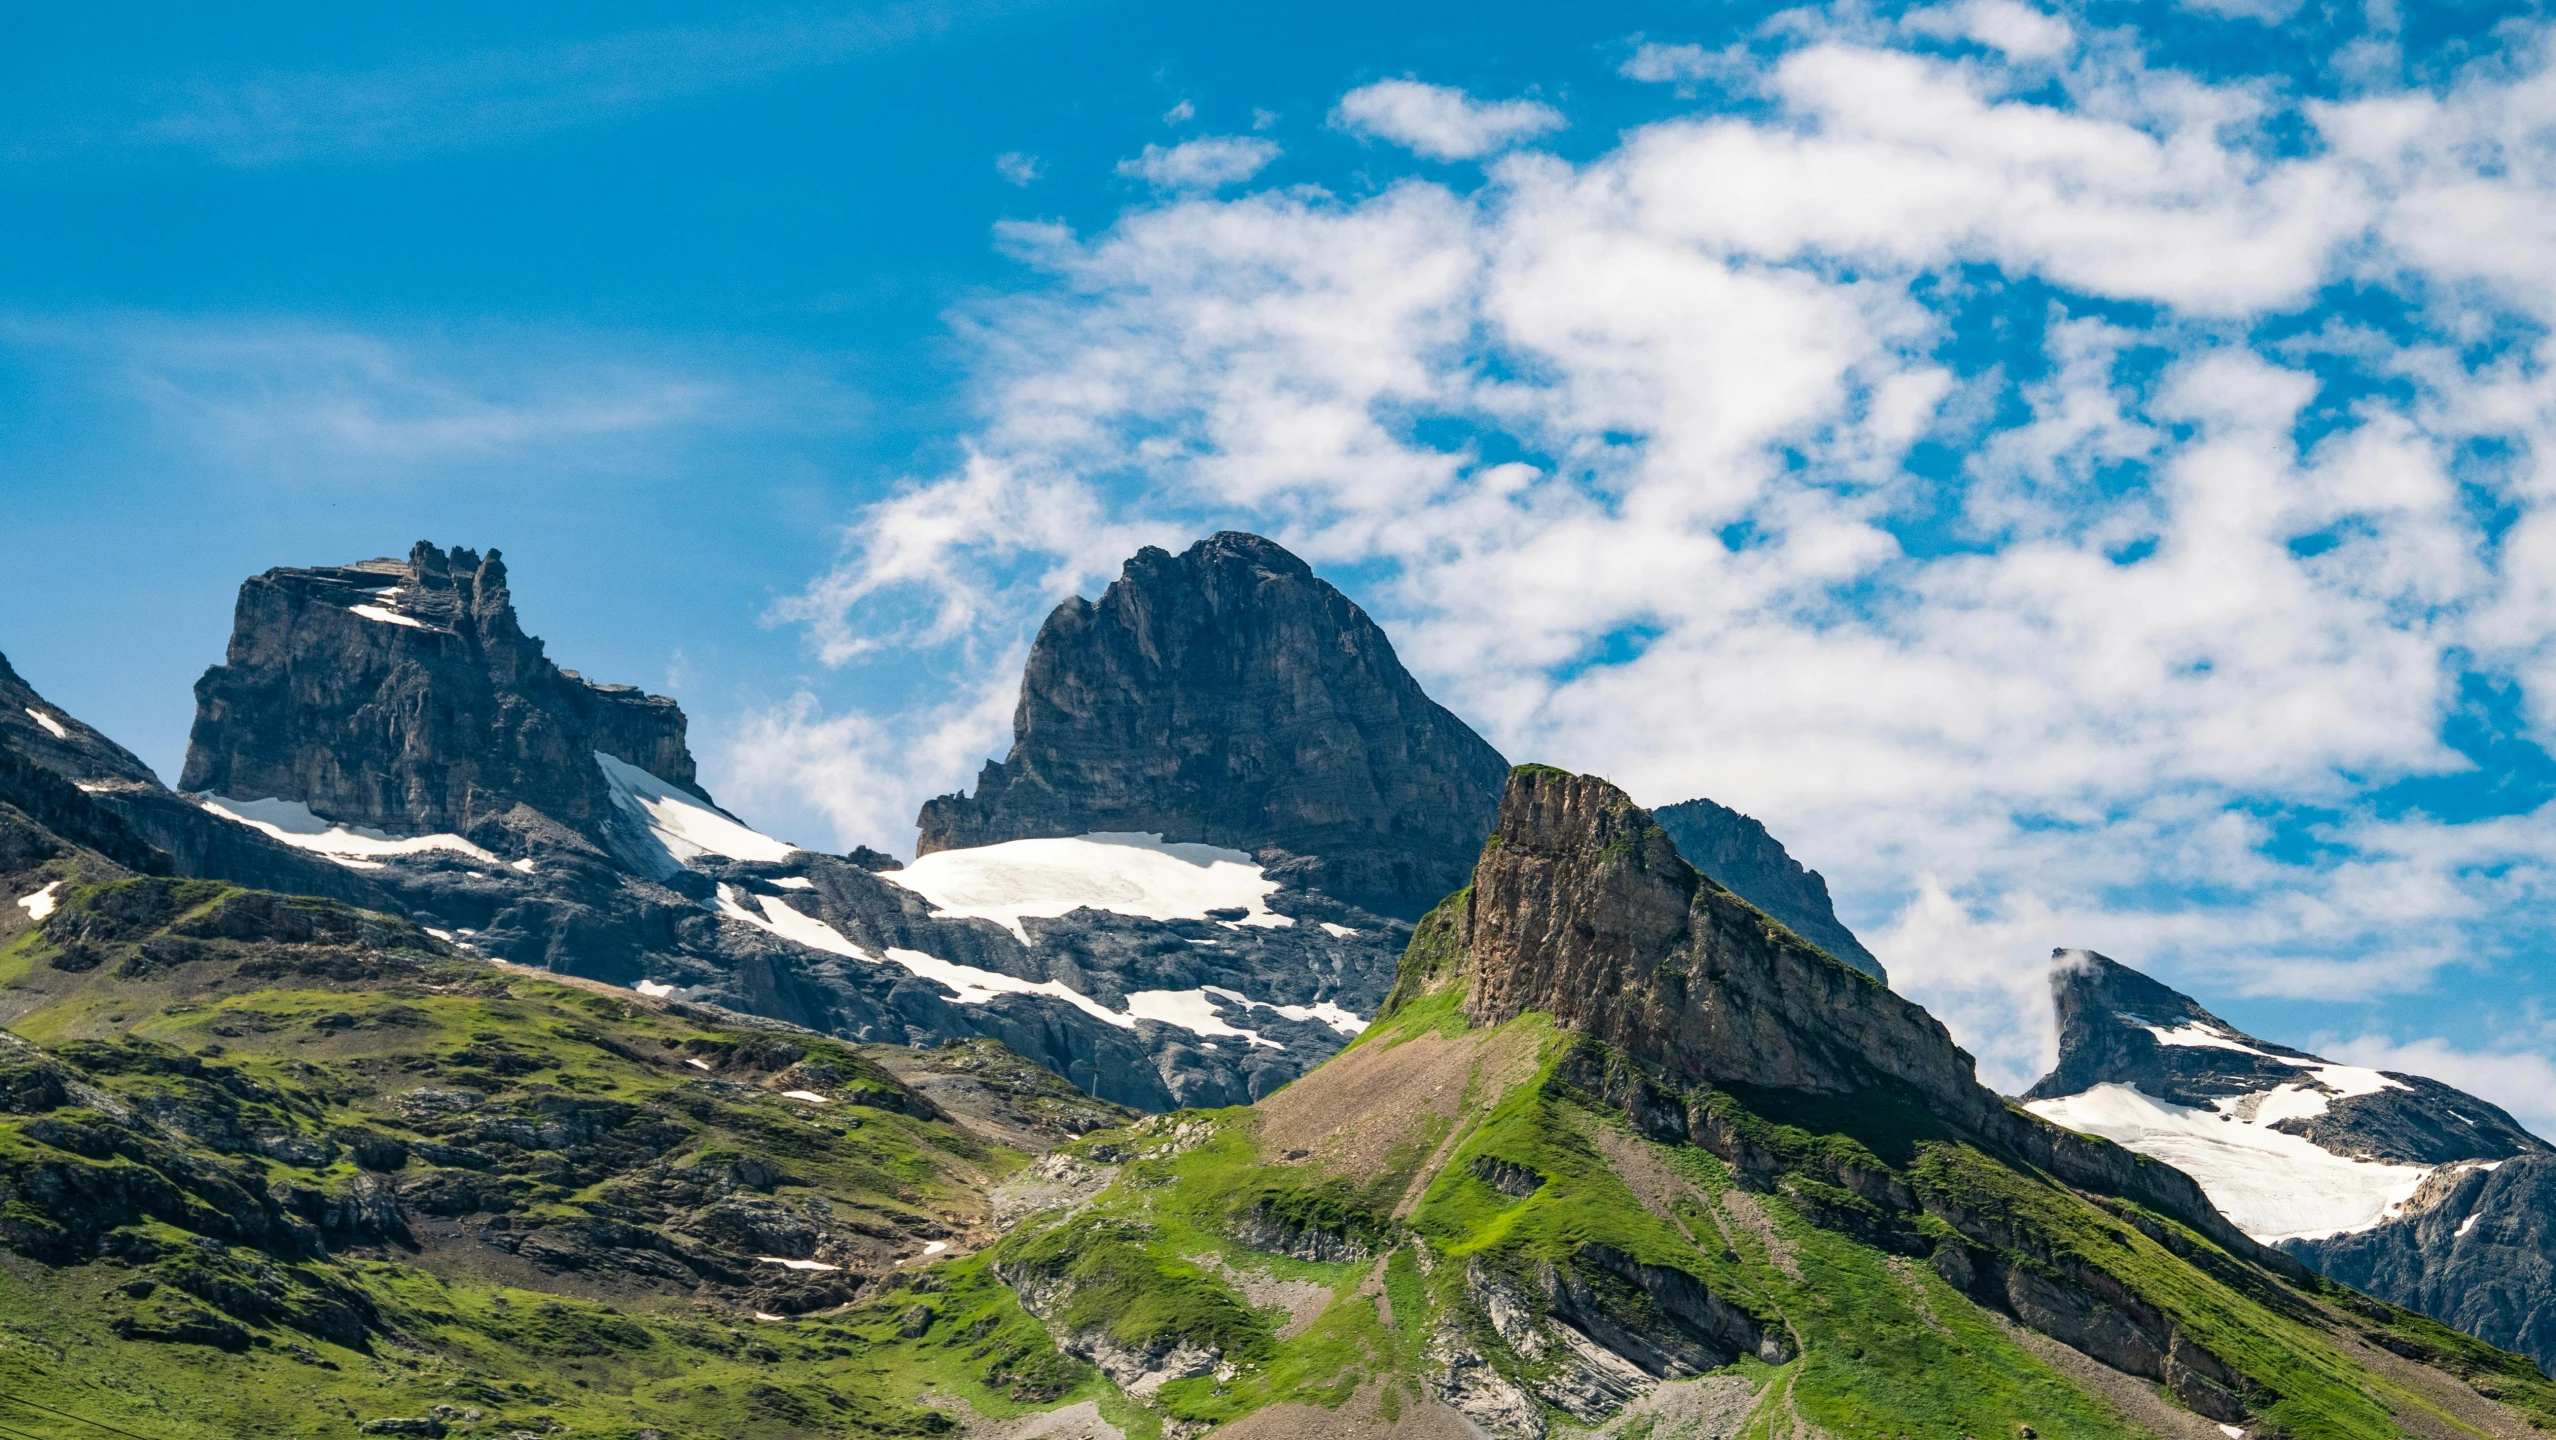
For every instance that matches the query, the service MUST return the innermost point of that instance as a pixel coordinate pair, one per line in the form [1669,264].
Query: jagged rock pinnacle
[1229,695]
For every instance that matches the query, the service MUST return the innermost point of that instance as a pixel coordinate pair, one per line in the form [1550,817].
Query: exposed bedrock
[404,696]
[1229,695]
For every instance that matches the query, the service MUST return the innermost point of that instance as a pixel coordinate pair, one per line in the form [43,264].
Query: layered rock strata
[1229,695]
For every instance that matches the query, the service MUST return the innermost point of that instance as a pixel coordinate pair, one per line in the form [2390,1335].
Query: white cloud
[1180,114]
[1440,121]
[1207,164]
[2059,694]
[1657,64]
[2021,31]
[1016,167]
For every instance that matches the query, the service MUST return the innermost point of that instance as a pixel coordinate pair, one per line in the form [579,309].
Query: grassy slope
[1881,1344]
[315,1040]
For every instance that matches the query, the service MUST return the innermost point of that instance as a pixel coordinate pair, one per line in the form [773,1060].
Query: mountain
[1228,695]
[272,1165]
[1736,850]
[1624,1155]
[2397,1184]
[387,734]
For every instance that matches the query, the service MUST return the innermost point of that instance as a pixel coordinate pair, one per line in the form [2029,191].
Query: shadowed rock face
[2477,1250]
[1228,695]
[428,709]
[1736,850]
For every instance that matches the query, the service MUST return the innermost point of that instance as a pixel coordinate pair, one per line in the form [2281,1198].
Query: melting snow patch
[2468,1224]
[41,903]
[810,1096]
[2233,1432]
[525,865]
[696,1062]
[936,1247]
[654,989]
[685,824]
[795,882]
[355,846]
[796,1264]
[1123,873]
[1193,1011]
[387,617]
[2273,1186]
[51,725]
[1337,932]
[759,1315]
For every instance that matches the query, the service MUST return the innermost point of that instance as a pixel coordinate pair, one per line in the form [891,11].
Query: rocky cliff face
[1582,908]
[1736,851]
[2477,1249]
[1228,695]
[404,696]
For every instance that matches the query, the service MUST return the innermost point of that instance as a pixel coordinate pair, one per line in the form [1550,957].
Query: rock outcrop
[1582,908]
[1736,850]
[1229,695]
[403,695]
[2477,1250]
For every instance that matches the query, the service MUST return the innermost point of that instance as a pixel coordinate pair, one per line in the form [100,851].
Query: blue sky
[2072,470]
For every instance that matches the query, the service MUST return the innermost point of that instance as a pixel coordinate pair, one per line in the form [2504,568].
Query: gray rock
[2477,1249]
[1229,695]
[1736,850]
[404,696]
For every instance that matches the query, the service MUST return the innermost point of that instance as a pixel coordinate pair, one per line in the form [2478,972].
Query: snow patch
[2233,1432]
[759,1315]
[1125,873]
[1191,1010]
[654,989]
[936,1247]
[796,1264]
[2468,1224]
[696,1062]
[2345,1081]
[810,1096]
[51,725]
[2272,1185]
[41,903]
[524,865]
[683,823]
[795,882]
[387,617]
[1337,932]
[358,847]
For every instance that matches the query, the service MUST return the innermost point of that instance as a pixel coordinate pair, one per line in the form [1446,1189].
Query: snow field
[358,847]
[41,903]
[2272,1185]
[1123,873]
[682,823]
[1191,1010]
[387,617]
[52,726]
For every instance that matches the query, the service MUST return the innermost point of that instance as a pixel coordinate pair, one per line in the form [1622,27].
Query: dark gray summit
[2474,1247]
[1736,850]
[403,695]
[1231,696]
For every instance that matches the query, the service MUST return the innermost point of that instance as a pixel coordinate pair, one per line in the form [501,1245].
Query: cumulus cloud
[1208,164]
[1680,464]
[1440,121]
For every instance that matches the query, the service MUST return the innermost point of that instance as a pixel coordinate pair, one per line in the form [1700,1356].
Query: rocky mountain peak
[1736,850]
[1582,907]
[1231,696]
[405,696]
[2120,1027]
